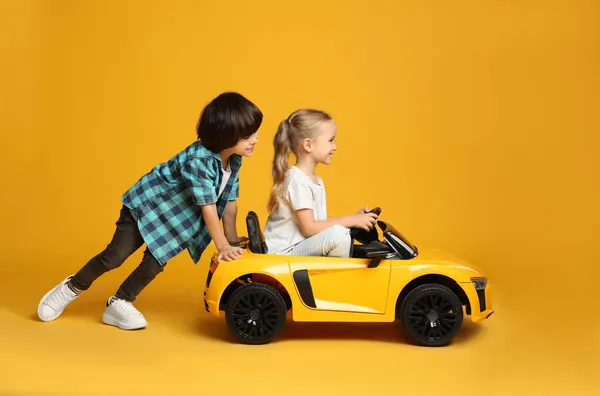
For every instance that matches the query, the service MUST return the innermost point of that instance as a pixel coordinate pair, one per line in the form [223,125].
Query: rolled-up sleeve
[235,189]
[200,176]
[300,195]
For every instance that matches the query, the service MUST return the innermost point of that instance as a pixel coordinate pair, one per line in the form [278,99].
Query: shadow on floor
[380,332]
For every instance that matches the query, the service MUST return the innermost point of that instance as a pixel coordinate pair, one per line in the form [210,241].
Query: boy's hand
[229,253]
[226,251]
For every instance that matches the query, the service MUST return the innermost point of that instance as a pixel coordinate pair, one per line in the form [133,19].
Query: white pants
[333,242]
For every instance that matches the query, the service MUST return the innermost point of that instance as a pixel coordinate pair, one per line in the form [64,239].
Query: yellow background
[473,124]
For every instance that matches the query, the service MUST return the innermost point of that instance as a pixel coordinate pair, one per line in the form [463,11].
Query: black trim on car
[206,304]
[304,288]
[209,278]
[481,296]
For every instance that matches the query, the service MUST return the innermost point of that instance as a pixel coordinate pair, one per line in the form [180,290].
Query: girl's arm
[309,226]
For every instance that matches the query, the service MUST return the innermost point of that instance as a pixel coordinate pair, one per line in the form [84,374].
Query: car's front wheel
[256,313]
[431,314]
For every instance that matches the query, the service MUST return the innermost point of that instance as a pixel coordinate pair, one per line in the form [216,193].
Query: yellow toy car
[385,279]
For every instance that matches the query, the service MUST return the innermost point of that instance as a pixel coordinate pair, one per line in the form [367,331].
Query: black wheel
[255,313]
[432,315]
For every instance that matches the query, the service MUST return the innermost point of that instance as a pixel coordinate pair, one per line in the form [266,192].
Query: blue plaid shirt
[166,201]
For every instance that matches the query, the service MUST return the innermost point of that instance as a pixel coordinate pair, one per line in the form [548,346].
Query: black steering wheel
[363,236]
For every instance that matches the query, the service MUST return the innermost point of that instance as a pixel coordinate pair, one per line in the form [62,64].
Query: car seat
[256,239]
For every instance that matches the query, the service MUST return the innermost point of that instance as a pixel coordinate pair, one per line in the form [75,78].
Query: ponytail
[281,144]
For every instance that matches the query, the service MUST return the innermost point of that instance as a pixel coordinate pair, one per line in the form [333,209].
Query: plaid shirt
[166,201]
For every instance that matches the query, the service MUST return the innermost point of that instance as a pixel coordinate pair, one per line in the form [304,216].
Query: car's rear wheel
[431,315]
[256,313]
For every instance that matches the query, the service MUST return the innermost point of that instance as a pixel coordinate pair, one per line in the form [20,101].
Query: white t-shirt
[226,176]
[281,231]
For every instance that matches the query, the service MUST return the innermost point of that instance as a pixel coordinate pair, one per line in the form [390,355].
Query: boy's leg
[120,311]
[333,242]
[126,240]
[139,278]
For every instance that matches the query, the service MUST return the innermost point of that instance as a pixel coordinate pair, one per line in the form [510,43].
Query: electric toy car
[386,279]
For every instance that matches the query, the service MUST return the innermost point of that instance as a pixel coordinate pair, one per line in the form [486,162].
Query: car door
[338,284]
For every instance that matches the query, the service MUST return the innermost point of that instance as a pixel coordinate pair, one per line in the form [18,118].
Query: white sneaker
[55,301]
[123,314]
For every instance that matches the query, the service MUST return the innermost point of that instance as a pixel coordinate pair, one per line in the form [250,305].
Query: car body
[386,279]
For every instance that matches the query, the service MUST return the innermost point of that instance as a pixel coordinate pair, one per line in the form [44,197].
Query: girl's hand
[229,253]
[366,221]
[364,210]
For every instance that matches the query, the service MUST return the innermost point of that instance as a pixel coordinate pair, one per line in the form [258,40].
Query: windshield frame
[401,245]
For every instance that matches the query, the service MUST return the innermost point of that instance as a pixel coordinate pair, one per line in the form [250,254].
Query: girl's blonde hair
[301,124]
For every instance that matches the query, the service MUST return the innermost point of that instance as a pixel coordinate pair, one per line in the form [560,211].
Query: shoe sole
[40,305]
[113,321]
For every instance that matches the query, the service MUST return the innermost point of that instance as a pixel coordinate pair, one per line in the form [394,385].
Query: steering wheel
[363,236]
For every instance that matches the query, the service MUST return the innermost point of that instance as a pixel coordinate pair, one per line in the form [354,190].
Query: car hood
[429,255]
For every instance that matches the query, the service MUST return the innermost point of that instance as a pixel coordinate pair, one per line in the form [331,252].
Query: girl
[298,224]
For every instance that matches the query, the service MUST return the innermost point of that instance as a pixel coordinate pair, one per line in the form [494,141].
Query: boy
[178,205]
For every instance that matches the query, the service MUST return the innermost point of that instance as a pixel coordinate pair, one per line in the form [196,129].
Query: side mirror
[376,257]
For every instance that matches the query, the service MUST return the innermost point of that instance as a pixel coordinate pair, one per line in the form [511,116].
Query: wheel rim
[433,317]
[255,315]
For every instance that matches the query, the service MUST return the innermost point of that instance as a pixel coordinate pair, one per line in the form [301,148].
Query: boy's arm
[200,176]
[226,251]
[229,222]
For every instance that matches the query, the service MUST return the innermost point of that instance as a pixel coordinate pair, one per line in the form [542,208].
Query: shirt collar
[235,160]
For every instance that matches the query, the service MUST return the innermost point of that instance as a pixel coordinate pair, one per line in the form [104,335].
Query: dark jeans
[126,240]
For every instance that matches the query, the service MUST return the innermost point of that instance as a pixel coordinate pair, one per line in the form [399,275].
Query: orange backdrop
[474,125]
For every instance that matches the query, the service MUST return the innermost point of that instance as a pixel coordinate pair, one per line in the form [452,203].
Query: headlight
[479,283]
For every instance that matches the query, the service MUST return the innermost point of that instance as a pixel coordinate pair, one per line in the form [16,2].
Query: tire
[431,315]
[255,313]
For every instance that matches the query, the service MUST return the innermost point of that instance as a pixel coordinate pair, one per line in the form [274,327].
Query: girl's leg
[333,242]
[126,240]
[120,311]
